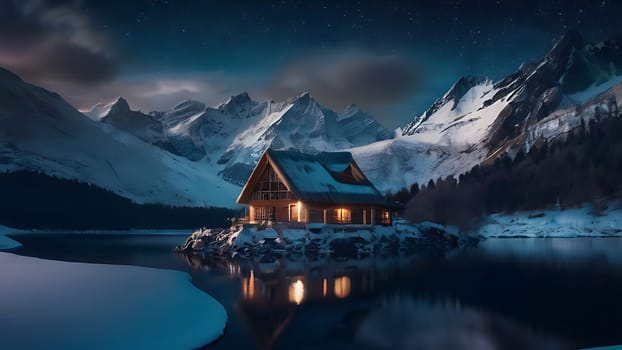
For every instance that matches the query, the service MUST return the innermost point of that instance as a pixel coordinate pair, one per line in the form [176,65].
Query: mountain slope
[232,136]
[39,131]
[478,119]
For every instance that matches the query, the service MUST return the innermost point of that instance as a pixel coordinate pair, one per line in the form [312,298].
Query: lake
[505,293]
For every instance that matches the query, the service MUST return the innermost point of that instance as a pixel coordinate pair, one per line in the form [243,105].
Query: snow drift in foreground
[577,222]
[59,305]
[5,242]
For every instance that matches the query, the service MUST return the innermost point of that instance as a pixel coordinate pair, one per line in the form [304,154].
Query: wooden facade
[274,193]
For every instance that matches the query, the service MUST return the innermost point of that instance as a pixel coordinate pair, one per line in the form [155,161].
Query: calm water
[507,293]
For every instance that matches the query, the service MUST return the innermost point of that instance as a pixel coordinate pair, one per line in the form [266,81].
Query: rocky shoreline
[267,242]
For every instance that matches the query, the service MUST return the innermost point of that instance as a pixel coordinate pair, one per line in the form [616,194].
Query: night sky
[392,58]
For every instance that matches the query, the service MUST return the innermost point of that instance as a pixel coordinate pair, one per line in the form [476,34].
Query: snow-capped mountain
[232,136]
[143,126]
[99,110]
[41,132]
[564,120]
[478,119]
[302,124]
[184,155]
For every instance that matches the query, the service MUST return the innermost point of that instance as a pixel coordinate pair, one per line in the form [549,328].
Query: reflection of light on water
[248,286]
[234,270]
[251,285]
[342,286]
[296,292]
[324,287]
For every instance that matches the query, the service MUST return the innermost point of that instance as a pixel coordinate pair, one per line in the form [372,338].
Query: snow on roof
[325,177]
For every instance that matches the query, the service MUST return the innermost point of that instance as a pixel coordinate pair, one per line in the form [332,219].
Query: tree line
[585,166]
[35,200]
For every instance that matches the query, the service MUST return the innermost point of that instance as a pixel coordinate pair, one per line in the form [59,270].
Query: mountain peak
[119,105]
[238,99]
[462,85]
[238,105]
[303,98]
[564,45]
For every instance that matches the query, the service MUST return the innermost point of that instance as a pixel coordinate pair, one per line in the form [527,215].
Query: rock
[265,242]
[198,245]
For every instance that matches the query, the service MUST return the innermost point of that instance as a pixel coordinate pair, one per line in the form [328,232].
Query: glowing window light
[298,206]
[324,287]
[343,285]
[386,217]
[343,216]
[296,292]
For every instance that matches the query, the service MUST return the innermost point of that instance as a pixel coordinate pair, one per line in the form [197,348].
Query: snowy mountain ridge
[197,155]
[232,136]
[41,132]
[478,119]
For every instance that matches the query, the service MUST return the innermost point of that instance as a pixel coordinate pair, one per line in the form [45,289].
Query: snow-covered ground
[576,222]
[259,241]
[48,304]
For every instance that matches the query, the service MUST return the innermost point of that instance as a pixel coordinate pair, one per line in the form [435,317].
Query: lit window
[264,213]
[343,216]
[386,217]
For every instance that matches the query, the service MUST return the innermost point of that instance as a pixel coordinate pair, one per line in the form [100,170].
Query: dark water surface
[504,294]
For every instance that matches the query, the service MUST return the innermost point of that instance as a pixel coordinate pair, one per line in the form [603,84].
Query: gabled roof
[326,177]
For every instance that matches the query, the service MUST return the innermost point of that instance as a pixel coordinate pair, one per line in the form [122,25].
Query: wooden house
[327,187]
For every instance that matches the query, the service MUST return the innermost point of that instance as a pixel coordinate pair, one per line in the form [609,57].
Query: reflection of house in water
[325,188]
[273,300]
[296,289]
[270,302]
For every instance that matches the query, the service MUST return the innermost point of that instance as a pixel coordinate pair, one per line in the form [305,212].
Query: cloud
[336,79]
[44,43]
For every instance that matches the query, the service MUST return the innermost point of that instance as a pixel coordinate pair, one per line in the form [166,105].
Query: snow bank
[5,242]
[59,305]
[577,222]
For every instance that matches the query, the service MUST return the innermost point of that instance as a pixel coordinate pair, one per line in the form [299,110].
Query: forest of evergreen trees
[586,167]
[35,200]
